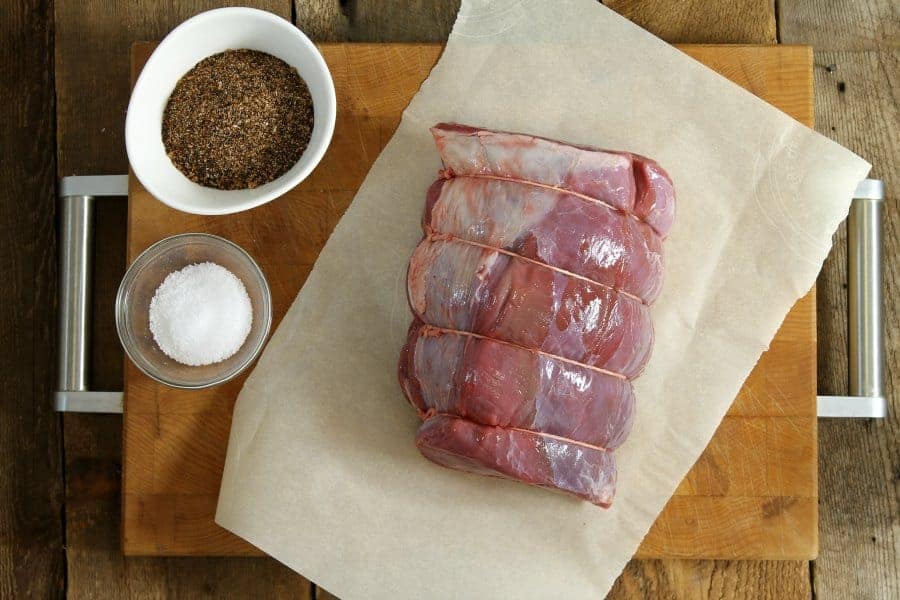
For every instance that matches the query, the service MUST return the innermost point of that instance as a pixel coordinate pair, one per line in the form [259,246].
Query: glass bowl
[145,275]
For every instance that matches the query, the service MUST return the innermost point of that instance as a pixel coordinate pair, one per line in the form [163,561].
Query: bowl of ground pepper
[234,107]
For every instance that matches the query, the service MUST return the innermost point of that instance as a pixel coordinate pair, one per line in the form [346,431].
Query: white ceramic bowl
[201,36]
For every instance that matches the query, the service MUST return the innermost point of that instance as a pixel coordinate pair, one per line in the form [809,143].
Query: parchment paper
[322,472]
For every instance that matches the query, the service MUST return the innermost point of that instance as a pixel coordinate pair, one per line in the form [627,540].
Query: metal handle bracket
[866,352]
[76,200]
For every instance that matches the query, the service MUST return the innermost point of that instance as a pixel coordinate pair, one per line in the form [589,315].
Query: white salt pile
[201,314]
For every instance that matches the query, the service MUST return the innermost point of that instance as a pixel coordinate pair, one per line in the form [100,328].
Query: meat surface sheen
[496,384]
[552,227]
[458,286]
[525,456]
[531,292]
[626,181]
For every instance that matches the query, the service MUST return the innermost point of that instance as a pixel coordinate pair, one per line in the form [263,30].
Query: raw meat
[629,182]
[489,382]
[531,290]
[527,456]
[463,287]
[601,244]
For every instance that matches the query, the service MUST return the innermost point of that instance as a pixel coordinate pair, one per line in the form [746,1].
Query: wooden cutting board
[753,493]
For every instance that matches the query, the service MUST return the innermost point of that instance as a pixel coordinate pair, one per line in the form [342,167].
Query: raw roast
[531,291]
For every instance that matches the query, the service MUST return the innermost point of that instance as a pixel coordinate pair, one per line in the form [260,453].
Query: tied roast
[531,291]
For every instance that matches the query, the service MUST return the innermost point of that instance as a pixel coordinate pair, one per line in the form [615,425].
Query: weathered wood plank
[703,21]
[857,91]
[32,561]
[322,21]
[859,462]
[840,24]
[401,20]
[713,580]
[92,59]
[97,568]
[697,21]
[377,20]
[857,87]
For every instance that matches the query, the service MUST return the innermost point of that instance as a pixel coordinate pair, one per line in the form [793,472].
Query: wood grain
[703,580]
[32,561]
[713,580]
[92,67]
[377,20]
[92,46]
[857,88]
[325,21]
[751,495]
[839,24]
[859,106]
[692,21]
[703,21]
[401,20]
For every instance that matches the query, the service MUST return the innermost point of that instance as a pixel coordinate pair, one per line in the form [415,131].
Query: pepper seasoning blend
[237,120]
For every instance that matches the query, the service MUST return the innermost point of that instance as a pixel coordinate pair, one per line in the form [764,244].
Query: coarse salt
[201,314]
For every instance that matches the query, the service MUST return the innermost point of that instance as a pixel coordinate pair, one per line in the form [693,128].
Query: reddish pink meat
[459,286]
[654,195]
[626,181]
[552,227]
[492,383]
[531,291]
[526,456]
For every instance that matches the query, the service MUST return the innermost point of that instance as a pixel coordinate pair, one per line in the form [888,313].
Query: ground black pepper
[237,120]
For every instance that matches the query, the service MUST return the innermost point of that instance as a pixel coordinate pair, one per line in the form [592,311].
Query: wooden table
[61,536]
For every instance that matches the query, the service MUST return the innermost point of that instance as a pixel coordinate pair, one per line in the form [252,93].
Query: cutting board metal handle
[76,207]
[864,230]
[76,195]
